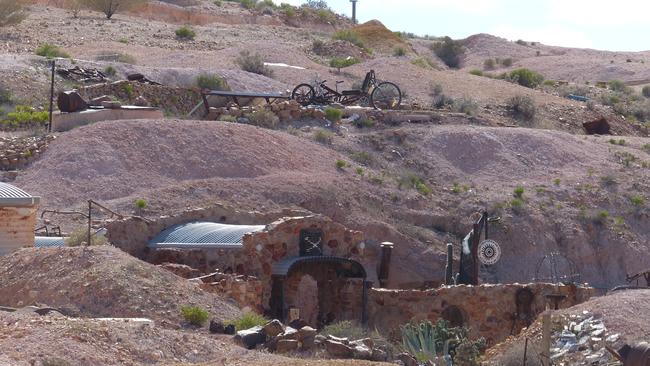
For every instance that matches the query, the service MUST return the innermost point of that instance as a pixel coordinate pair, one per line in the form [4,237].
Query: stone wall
[16,228]
[490,311]
[177,101]
[245,290]
[17,152]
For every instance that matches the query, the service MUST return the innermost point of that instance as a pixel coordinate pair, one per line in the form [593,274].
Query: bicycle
[378,94]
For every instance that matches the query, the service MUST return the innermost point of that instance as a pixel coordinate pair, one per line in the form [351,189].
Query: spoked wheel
[386,96]
[303,94]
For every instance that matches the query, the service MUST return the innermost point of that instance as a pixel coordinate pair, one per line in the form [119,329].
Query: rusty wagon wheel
[386,95]
[303,94]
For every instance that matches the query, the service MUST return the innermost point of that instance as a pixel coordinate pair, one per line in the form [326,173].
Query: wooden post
[49,127]
[546,337]
[525,350]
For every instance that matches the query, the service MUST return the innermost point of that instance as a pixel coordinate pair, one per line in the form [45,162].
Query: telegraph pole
[354,11]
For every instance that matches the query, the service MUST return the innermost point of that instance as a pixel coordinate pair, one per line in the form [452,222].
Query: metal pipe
[449,270]
[49,127]
[90,207]
[384,263]
[525,351]
[354,11]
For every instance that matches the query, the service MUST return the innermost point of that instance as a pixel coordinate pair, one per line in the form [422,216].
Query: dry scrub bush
[253,63]
[11,12]
[110,7]
[522,107]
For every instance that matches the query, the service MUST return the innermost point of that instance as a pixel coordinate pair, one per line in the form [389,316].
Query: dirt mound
[111,160]
[101,282]
[379,38]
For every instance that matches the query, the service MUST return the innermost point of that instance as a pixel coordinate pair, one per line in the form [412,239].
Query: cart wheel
[386,96]
[303,94]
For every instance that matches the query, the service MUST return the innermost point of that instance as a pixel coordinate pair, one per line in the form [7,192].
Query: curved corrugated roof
[14,196]
[283,267]
[203,235]
[49,242]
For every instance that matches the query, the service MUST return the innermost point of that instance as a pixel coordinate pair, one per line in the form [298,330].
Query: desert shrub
[399,51]
[110,70]
[248,320]
[110,7]
[229,118]
[247,4]
[316,4]
[640,110]
[362,157]
[449,51]
[359,171]
[333,114]
[324,137]
[424,62]
[340,164]
[415,182]
[637,200]
[426,341]
[217,2]
[549,82]
[325,15]
[518,192]
[465,105]
[364,123]
[212,82]
[340,63]
[185,33]
[140,204]
[194,315]
[476,72]
[349,36]
[646,147]
[5,95]
[506,62]
[441,101]
[318,46]
[11,12]
[646,91]
[489,64]
[80,237]
[253,63]
[344,329]
[526,77]
[521,42]
[264,118]
[25,117]
[618,86]
[50,51]
[288,10]
[522,107]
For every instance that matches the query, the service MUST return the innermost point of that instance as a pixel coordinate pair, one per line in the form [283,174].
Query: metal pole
[90,206]
[49,127]
[525,350]
[354,11]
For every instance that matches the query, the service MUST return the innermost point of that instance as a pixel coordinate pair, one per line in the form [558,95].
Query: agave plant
[419,339]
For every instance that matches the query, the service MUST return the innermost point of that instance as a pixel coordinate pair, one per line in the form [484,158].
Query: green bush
[194,315]
[344,329]
[476,72]
[350,36]
[362,157]
[5,95]
[415,182]
[618,86]
[506,62]
[340,63]
[185,33]
[526,77]
[518,192]
[253,63]
[399,51]
[80,237]
[646,91]
[24,117]
[449,51]
[248,4]
[424,62]
[318,46]
[522,107]
[340,164]
[489,64]
[140,204]
[646,147]
[212,82]
[263,118]
[248,320]
[324,137]
[465,105]
[521,42]
[333,114]
[110,71]
[50,51]
[637,200]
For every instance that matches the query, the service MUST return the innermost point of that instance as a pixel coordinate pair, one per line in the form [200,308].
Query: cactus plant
[419,339]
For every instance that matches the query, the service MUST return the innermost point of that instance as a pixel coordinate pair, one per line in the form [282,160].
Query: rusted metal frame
[205,103]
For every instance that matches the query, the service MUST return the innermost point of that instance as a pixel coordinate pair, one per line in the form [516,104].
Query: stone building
[17,218]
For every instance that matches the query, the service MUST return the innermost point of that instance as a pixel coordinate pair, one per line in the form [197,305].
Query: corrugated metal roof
[49,242]
[203,235]
[283,267]
[14,196]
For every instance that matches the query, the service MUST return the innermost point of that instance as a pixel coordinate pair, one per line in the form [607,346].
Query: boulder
[361,352]
[229,329]
[273,328]
[407,359]
[217,327]
[307,337]
[337,339]
[141,101]
[338,349]
[298,323]
[250,338]
[378,355]
[289,333]
[287,345]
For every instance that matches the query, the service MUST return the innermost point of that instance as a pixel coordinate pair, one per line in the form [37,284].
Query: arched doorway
[341,289]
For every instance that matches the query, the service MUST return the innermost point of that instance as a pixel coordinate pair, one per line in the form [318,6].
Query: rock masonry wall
[17,152]
[490,311]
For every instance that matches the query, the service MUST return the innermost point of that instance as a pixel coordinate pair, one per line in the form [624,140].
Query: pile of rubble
[17,152]
[302,339]
[581,340]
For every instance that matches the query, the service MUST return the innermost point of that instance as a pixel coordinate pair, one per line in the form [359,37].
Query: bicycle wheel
[386,96]
[303,94]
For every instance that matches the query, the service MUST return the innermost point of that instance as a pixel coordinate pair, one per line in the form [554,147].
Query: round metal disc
[489,252]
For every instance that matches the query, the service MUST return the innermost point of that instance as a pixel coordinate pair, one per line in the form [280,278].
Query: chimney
[384,264]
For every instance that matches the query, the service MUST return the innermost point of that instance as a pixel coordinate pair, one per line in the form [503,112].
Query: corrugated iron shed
[12,196]
[202,235]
